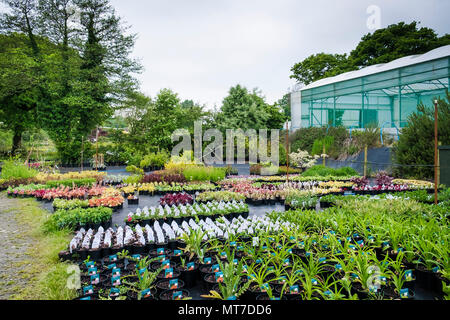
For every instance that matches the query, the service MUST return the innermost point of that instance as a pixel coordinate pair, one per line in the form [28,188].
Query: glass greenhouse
[383,94]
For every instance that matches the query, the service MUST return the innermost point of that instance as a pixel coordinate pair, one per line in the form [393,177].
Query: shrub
[16,170]
[416,143]
[199,173]
[302,159]
[72,219]
[135,170]
[71,182]
[318,145]
[322,171]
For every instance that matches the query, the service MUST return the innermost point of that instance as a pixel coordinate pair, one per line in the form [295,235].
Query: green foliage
[416,142]
[304,139]
[71,219]
[248,110]
[369,137]
[395,41]
[199,173]
[319,66]
[14,170]
[320,170]
[135,170]
[71,182]
[318,146]
[158,159]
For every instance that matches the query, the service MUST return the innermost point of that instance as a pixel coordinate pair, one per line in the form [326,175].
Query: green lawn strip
[48,276]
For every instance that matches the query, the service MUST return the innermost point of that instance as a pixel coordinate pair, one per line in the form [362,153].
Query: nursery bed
[120,215]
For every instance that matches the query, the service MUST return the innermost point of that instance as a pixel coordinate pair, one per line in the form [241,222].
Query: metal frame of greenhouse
[382,94]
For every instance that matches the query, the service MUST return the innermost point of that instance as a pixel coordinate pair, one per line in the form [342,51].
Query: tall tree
[395,41]
[19,82]
[248,110]
[19,104]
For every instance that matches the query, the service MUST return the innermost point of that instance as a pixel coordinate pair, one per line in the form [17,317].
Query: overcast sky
[200,48]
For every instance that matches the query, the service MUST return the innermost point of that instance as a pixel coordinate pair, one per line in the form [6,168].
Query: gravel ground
[13,247]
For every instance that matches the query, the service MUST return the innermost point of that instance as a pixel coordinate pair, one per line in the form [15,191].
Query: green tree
[248,110]
[285,104]
[319,66]
[395,41]
[414,150]
[19,93]
[19,106]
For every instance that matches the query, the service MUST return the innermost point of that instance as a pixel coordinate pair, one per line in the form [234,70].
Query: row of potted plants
[80,218]
[181,213]
[269,264]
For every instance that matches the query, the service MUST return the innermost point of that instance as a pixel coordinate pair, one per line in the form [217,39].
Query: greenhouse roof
[438,53]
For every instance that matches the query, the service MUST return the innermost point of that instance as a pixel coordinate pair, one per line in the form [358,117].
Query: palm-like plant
[230,288]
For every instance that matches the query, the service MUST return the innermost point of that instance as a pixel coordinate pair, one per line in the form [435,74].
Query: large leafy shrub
[414,150]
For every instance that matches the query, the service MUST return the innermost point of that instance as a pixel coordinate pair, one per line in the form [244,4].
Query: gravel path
[13,249]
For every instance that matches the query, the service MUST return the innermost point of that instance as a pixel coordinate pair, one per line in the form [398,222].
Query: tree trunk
[17,141]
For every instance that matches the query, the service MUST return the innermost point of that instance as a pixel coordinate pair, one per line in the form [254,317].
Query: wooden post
[287,152]
[435,152]
[323,154]
[96,151]
[82,150]
[365,161]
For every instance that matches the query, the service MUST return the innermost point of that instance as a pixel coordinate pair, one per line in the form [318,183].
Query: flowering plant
[302,159]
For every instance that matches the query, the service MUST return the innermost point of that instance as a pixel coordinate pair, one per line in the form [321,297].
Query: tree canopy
[382,46]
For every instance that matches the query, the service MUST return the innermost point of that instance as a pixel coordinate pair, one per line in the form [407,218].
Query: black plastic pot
[95,254]
[133,295]
[167,295]
[163,285]
[191,277]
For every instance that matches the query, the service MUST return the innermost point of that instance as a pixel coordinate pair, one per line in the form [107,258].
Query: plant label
[115,281]
[173,284]
[160,251]
[235,262]
[116,272]
[294,289]
[161,258]
[168,273]
[89,264]
[404,293]
[233,244]
[218,276]
[314,281]
[177,253]
[95,279]
[111,266]
[165,264]
[408,275]
[92,271]
[190,266]
[86,298]
[88,290]
[177,295]
[146,293]
[223,255]
[114,292]
[113,258]
[215,268]
[208,260]
[136,257]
